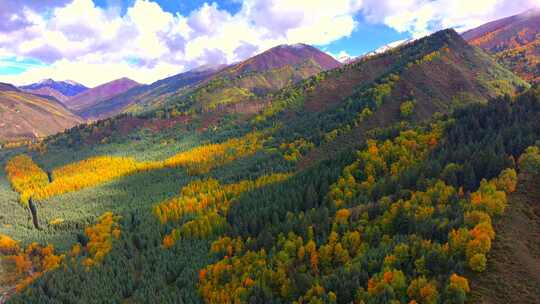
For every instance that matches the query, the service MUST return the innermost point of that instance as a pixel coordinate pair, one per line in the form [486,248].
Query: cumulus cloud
[80,41]
[13,12]
[421,17]
[77,33]
[92,73]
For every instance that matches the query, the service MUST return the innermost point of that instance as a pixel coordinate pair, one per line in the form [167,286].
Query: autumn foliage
[23,265]
[208,200]
[25,176]
[380,159]
[203,158]
[31,181]
[100,238]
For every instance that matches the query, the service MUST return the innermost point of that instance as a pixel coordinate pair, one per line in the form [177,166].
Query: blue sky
[95,41]
[366,37]
[15,66]
[182,7]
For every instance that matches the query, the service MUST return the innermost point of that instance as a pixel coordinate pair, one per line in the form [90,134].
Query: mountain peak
[121,80]
[61,90]
[46,81]
[100,93]
[73,83]
[208,68]
[294,46]
[283,55]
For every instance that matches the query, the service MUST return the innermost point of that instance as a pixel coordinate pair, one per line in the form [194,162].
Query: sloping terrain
[61,90]
[8,87]
[374,224]
[140,97]
[26,116]
[91,97]
[250,81]
[514,41]
[217,86]
[514,274]
[434,74]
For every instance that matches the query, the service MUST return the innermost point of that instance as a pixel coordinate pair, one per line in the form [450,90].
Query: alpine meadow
[236,152]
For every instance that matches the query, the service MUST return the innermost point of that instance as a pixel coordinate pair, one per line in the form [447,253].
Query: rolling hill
[61,90]
[27,116]
[89,98]
[514,41]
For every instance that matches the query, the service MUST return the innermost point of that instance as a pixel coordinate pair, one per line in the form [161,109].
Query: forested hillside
[388,180]
[140,97]
[514,41]
[222,85]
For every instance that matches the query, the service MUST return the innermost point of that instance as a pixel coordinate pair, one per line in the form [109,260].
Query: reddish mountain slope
[515,42]
[243,82]
[24,115]
[7,87]
[284,55]
[91,97]
[48,91]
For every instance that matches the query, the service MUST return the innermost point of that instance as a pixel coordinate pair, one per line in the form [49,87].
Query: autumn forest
[393,178]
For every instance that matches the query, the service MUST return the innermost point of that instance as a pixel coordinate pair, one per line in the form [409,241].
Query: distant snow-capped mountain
[388,47]
[61,90]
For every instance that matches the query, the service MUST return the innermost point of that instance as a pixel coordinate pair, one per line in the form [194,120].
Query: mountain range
[409,175]
[61,90]
[248,85]
[266,72]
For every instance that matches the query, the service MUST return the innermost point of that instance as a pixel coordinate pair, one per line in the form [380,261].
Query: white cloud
[421,17]
[92,45]
[92,74]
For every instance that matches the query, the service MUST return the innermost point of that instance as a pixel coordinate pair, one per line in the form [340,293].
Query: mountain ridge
[514,41]
[27,116]
[61,90]
[139,94]
[260,74]
[80,102]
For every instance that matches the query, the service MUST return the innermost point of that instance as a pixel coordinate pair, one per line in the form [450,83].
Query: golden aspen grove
[30,180]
